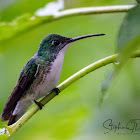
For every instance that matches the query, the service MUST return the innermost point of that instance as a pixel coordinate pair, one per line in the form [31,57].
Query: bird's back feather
[26,77]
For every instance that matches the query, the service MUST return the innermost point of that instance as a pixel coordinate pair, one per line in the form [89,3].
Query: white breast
[45,87]
[51,80]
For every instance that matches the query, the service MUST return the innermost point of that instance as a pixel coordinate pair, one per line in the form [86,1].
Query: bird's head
[52,44]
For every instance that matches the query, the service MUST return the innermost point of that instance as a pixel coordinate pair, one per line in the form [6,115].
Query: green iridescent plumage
[49,51]
[30,67]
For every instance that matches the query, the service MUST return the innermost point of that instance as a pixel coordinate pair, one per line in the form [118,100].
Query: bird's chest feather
[47,78]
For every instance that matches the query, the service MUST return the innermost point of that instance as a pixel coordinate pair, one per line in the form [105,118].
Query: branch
[27,21]
[93,10]
[94,66]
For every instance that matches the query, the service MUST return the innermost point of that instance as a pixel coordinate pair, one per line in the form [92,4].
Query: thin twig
[93,10]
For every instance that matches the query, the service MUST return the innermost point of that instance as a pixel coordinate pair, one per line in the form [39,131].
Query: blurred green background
[74,114]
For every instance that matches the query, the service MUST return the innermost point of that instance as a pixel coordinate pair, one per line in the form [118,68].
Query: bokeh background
[74,114]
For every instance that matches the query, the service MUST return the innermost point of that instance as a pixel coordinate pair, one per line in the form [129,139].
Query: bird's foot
[56,90]
[40,105]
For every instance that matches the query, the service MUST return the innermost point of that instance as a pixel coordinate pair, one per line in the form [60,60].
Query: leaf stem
[93,10]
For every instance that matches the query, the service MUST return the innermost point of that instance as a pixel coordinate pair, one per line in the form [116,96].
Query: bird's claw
[56,90]
[40,105]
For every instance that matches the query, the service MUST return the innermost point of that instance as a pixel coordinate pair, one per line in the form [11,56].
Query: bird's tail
[9,117]
[14,115]
[11,120]
[6,117]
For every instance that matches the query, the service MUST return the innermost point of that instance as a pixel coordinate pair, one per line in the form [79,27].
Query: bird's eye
[55,42]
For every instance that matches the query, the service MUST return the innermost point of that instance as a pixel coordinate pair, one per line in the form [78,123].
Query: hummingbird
[39,76]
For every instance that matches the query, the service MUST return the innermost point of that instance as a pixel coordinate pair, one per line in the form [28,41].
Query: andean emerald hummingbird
[39,76]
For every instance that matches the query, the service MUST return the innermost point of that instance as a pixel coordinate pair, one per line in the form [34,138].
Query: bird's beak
[82,37]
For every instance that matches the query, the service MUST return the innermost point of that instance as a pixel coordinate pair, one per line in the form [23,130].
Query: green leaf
[105,85]
[20,24]
[128,43]
[129,35]
[16,8]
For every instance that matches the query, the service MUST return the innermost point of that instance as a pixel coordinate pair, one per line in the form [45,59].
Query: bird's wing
[26,78]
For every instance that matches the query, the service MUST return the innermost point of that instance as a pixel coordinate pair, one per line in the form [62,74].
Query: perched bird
[39,76]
